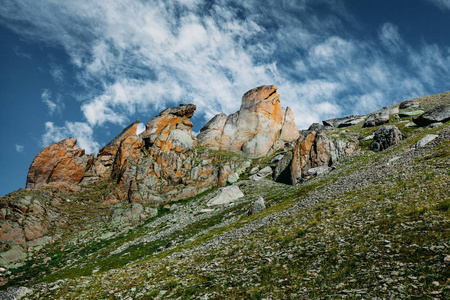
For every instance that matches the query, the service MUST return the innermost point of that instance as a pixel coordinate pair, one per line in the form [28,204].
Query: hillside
[352,209]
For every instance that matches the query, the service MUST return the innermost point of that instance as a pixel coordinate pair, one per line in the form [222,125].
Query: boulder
[344,122]
[282,172]
[257,207]
[439,114]
[316,127]
[315,149]
[60,162]
[317,171]
[226,195]
[409,104]
[425,140]
[380,117]
[259,128]
[385,137]
[410,113]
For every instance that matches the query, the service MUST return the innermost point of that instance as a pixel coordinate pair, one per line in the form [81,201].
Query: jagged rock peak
[60,162]
[176,117]
[260,127]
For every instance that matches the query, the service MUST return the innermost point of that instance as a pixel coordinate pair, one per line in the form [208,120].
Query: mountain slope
[376,225]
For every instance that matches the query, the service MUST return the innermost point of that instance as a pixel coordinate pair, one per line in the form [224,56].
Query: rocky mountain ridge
[75,199]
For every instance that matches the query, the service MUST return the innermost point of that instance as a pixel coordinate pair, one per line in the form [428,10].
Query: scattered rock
[234,177]
[409,104]
[257,206]
[262,174]
[226,195]
[385,137]
[439,114]
[425,140]
[368,138]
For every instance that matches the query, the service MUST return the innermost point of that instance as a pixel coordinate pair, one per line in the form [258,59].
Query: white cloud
[19,148]
[389,36]
[53,105]
[57,72]
[443,4]
[82,131]
[139,56]
[140,128]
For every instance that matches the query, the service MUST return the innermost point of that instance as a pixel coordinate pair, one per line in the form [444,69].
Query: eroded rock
[385,137]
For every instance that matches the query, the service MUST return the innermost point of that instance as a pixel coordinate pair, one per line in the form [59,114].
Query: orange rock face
[260,127]
[60,162]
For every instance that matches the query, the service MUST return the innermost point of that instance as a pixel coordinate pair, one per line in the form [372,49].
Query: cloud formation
[145,56]
[79,130]
[19,148]
[53,105]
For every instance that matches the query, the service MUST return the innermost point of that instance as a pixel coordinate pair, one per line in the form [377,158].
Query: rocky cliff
[250,195]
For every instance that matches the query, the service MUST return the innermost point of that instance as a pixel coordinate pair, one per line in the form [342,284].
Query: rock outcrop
[62,162]
[380,117]
[260,127]
[385,137]
[439,114]
[344,122]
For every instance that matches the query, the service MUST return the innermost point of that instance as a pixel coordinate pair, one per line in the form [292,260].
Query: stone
[60,162]
[317,171]
[368,138]
[234,177]
[435,125]
[380,117]
[257,207]
[344,122]
[180,140]
[13,257]
[316,149]
[410,113]
[282,172]
[425,140]
[224,172]
[385,137]
[260,127]
[409,104]
[316,127]
[438,114]
[262,174]
[226,195]
[15,293]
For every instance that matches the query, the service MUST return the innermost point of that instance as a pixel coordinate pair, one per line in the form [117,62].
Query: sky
[89,68]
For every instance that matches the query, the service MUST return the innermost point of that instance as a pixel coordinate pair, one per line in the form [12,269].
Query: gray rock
[318,171]
[376,119]
[316,127]
[368,138]
[425,140]
[385,137]
[15,293]
[226,195]
[181,139]
[282,172]
[408,104]
[435,125]
[262,174]
[439,114]
[258,206]
[233,177]
[410,113]
[344,122]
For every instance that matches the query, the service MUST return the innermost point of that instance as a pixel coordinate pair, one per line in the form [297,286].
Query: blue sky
[89,68]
